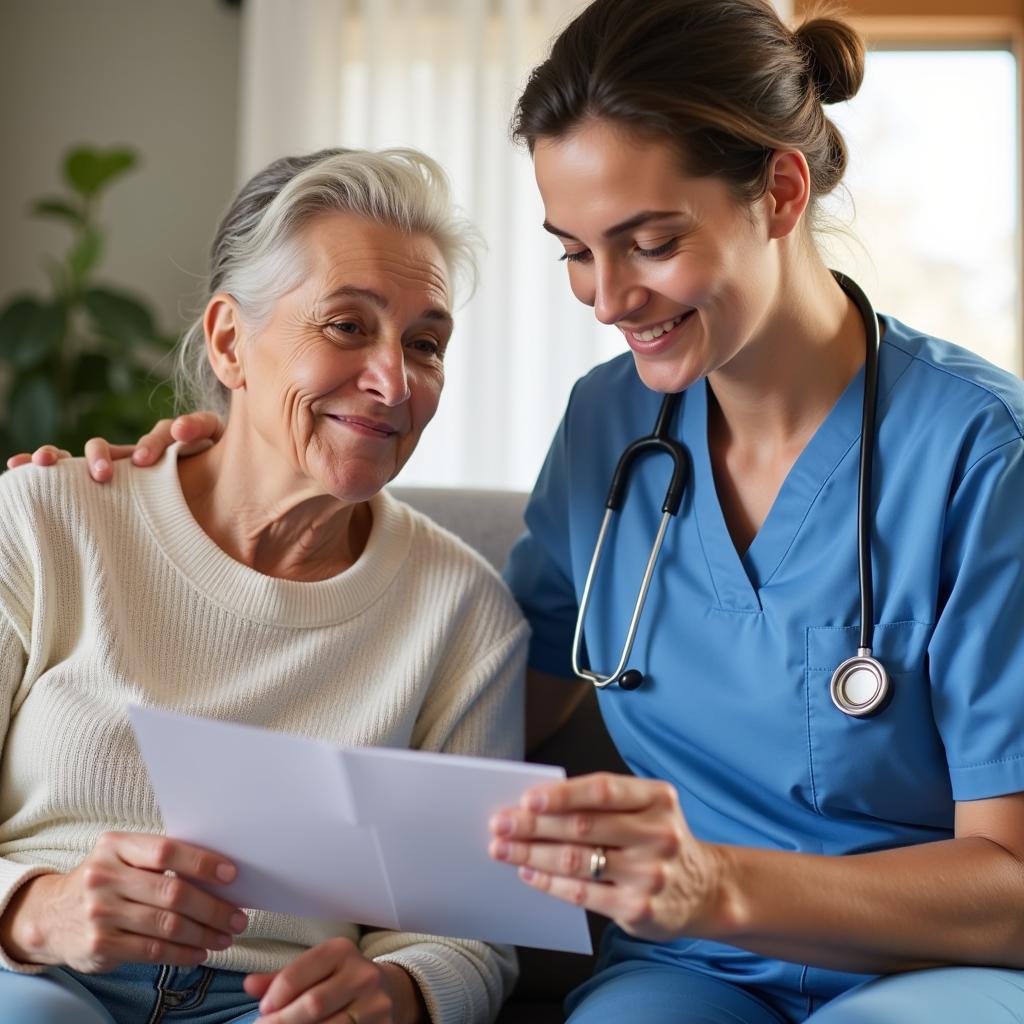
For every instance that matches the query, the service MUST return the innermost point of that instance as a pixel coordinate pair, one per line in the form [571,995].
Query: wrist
[22,930]
[407,1003]
[726,911]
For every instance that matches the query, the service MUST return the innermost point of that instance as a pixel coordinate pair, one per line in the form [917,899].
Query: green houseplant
[82,359]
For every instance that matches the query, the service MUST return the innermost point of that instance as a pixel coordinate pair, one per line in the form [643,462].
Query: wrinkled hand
[195,429]
[332,982]
[120,906]
[658,882]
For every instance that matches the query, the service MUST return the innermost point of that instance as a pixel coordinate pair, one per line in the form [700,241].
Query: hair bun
[834,53]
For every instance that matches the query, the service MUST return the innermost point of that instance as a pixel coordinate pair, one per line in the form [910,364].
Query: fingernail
[499,850]
[501,824]
[526,874]
[223,941]
[225,872]
[101,466]
[141,455]
[537,802]
[239,922]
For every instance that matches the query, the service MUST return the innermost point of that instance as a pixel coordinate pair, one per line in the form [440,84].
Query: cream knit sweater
[114,594]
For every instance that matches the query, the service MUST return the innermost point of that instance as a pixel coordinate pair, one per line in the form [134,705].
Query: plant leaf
[133,411]
[34,413]
[31,331]
[51,206]
[89,375]
[16,321]
[88,170]
[119,316]
[6,448]
[85,254]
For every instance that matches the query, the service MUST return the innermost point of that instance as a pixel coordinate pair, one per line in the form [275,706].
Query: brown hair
[725,80]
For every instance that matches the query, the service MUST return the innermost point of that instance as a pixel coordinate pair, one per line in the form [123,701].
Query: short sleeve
[976,653]
[539,569]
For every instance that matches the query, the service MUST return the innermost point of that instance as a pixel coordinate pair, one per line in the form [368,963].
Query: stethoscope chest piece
[860,686]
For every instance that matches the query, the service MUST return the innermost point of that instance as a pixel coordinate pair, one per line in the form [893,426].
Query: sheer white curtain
[442,76]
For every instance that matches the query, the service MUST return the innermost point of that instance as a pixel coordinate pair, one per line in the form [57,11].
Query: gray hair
[255,257]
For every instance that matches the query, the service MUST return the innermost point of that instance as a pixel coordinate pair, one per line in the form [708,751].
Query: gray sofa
[490,521]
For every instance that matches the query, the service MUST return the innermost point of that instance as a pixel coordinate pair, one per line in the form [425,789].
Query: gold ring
[598,862]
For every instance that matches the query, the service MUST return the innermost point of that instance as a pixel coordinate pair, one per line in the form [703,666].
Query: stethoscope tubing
[584,673]
[867,451]
[658,441]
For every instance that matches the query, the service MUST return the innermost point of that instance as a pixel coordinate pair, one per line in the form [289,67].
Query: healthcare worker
[804,838]
[791,829]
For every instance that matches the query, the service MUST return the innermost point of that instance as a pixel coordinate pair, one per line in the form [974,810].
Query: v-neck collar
[737,579]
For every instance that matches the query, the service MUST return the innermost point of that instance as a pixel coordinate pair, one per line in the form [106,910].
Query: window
[933,187]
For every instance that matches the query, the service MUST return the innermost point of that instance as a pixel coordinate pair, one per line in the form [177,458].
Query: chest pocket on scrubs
[892,766]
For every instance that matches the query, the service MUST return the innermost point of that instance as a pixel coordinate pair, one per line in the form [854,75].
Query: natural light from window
[934,183]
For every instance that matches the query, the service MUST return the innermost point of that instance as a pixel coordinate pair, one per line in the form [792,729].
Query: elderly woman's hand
[194,429]
[617,845]
[121,905]
[332,982]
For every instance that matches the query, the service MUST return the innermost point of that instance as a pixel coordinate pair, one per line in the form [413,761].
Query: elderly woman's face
[349,370]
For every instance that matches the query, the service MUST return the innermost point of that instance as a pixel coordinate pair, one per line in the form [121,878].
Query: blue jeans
[662,994]
[132,994]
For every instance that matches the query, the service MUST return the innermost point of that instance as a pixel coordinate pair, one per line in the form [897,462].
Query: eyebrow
[378,300]
[627,225]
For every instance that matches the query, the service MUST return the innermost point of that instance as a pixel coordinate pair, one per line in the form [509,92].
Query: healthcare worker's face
[675,262]
[349,369]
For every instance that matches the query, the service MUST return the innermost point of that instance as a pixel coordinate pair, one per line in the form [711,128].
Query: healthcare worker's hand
[195,429]
[120,905]
[617,845]
[333,982]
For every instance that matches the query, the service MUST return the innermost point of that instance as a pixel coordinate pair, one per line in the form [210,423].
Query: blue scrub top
[738,651]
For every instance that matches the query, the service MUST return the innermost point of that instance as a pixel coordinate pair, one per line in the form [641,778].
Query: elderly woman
[268,579]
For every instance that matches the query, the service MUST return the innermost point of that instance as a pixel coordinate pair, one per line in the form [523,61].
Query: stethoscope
[860,686]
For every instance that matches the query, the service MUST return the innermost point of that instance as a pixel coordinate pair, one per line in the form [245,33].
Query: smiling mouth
[653,333]
[368,428]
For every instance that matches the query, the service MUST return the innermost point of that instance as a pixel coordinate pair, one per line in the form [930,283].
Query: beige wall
[160,75]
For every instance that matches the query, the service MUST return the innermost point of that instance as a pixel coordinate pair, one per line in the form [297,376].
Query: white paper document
[380,837]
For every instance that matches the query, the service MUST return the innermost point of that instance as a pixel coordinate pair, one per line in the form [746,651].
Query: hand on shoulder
[196,430]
